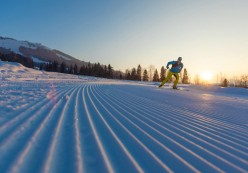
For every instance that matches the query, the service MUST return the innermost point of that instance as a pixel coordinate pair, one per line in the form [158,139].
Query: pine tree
[133,74]
[86,70]
[89,69]
[155,76]
[71,69]
[244,80]
[55,66]
[145,75]
[81,71]
[225,83]
[75,69]
[128,76]
[105,71]
[62,67]
[110,71]
[138,78]
[48,67]
[100,70]
[41,66]
[162,73]
[97,70]
[185,79]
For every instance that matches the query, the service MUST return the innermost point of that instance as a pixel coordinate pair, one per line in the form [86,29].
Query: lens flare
[52,94]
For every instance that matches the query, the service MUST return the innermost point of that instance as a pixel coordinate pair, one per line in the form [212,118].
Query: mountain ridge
[36,51]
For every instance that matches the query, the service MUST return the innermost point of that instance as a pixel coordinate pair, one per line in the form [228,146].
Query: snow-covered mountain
[38,52]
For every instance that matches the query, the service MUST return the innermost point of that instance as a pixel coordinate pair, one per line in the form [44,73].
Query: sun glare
[206,76]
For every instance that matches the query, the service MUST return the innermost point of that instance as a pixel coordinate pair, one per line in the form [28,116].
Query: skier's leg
[166,79]
[176,81]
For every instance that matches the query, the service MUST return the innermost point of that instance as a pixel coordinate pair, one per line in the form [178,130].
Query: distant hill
[38,52]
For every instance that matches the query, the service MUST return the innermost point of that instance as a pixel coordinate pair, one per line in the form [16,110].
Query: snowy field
[58,123]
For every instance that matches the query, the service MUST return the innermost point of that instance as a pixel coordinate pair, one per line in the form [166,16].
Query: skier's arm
[169,63]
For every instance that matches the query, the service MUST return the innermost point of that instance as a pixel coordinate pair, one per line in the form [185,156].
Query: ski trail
[19,124]
[138,141]
[183,123]
[20,159]
[128,154]
[114,126]
[120,106]
[208,99]
[238,168]
[233,155]
[48,166]
[205,120]
[14,142]
[32,106]
[90,152]
[79,158]
[228,153]
[96,135]
[200,129]
[15,121]
[149,136]
[190,121]
[181,110]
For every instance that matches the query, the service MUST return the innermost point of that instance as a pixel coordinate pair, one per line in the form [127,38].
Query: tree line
[136,74]
[241,81]
[143,75]
[13,57]
[90,69]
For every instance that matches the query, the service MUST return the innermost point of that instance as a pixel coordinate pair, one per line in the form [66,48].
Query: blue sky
[210,35]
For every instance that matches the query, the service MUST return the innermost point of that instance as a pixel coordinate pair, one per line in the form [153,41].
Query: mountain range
[38,52]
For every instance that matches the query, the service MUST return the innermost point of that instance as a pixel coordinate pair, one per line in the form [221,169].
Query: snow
[62,56]
[14,45]
[51,122]
[37,60]
[13,69]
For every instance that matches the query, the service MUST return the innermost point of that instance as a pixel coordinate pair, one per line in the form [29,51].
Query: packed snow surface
[51,122]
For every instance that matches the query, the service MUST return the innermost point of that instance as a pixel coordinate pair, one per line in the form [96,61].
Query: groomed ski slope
[99,125]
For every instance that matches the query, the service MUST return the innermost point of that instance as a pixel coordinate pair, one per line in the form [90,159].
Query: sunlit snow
[53,122]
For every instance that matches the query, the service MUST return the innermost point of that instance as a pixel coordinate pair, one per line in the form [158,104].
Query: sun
[206,76]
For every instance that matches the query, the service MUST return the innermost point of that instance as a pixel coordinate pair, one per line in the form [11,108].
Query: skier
[176,68]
